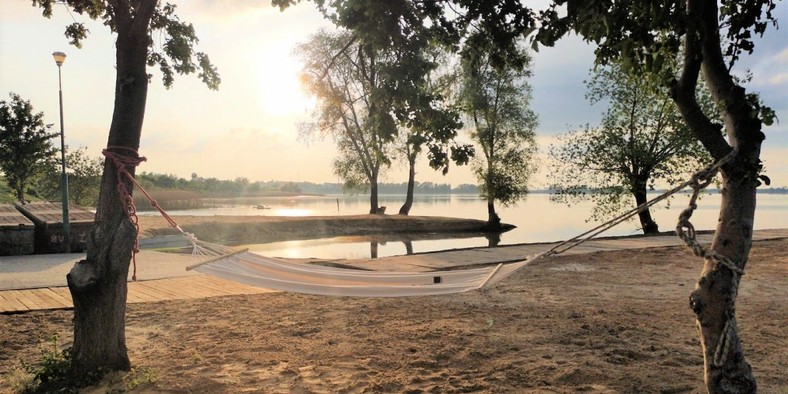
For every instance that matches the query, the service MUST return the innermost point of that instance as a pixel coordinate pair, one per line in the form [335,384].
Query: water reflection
[537,219]
[373,246]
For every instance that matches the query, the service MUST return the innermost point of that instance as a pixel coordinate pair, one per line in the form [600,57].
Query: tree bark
[20,193]
[373,197]
[647,223]
[713,300]
[493,221]
[98,283]
[405,209]
[714,297]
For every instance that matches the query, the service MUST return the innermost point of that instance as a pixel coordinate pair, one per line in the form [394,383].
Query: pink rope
[121,163]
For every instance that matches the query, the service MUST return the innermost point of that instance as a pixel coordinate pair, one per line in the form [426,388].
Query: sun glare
[280,89]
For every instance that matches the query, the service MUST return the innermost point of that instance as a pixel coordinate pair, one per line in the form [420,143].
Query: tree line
[242,187]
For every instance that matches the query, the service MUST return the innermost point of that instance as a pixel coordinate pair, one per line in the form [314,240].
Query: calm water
[538,219]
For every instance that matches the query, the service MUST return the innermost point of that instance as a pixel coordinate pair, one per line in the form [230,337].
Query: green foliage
[24,143]
[137,378]
[6,194]
[84,178]
[496,98]
[434,120]
[351,104]
[178,39]
[177,52]
[642,140]
[52,373]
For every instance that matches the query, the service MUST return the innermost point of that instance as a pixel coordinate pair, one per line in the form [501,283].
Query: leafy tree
[645,36]
[98,283]
[496,100]
[24,143]
[641,140]
[433,125]
[84,178]
[351,106]
[403,82]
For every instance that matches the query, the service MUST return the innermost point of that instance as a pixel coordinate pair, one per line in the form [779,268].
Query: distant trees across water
[242,187]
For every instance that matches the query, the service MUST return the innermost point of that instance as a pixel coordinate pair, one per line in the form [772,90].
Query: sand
[608,322]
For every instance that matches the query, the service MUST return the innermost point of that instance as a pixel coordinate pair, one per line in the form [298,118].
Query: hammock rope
[126,201]
[379,282]
[686,231]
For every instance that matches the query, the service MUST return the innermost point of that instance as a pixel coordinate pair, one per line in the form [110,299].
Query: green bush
[52,374]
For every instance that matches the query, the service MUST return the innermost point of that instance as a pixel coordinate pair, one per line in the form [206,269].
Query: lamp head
[59,58]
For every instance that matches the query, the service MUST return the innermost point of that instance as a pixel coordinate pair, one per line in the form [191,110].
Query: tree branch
[683,90]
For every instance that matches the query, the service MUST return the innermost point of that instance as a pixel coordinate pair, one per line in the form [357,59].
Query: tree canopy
[24,143]
[352,105]
[178,39]
[496,100]
[642,141]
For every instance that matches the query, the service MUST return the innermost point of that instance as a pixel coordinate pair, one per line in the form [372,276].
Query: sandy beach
[607,322]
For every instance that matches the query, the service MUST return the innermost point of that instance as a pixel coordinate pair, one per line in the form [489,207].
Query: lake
[537,217]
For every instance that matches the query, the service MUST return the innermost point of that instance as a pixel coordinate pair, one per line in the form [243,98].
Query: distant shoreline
[235,230]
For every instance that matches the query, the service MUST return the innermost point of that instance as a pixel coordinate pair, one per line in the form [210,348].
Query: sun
[279,87]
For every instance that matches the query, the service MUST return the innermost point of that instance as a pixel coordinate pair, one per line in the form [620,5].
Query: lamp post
[59,58]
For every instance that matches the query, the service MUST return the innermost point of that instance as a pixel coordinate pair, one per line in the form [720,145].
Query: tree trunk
[20,193]
[405,209]
[493,221]
[98,283]
[408,247]
[714,297]
[373,197]
[641,197]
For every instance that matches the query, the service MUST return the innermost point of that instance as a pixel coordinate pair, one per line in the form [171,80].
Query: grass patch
[52,374]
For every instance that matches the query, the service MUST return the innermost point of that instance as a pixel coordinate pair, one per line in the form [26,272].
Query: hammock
[252,269]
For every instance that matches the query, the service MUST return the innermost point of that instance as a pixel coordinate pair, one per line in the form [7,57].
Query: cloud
[778,79]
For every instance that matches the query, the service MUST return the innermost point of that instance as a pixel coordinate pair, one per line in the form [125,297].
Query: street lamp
[59,58]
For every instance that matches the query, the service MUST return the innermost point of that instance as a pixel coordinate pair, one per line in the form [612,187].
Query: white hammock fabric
[271,273]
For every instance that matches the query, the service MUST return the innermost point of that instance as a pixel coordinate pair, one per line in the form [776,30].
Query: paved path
[38,282]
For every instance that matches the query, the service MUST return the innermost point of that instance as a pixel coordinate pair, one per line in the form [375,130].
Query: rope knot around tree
[130,158]
[686,231]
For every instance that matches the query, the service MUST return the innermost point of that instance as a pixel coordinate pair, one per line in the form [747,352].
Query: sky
[249,127]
